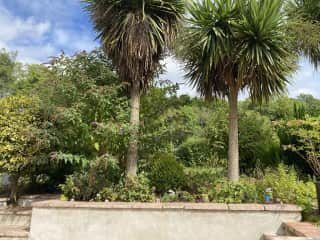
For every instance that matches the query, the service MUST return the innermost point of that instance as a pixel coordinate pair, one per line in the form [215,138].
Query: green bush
[258,143]
[195,151]
[135,190]
[201,179]
[288,188]
[165,173]
[285,184]
[84,185]
[107,194]
[128,190]
[180,196]
[21,139]
[245,191]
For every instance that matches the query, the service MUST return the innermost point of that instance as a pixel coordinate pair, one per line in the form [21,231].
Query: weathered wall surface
[55,220]
[4,180]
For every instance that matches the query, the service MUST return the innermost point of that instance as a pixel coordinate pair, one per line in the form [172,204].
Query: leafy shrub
[85,184]
[245,191]
[288,188]
[165,173]
[85,106]
[180,196]
[259,145]
[21,142]
[195,151]
[107,194]
[285,184]
[128,190]
[201,179]
[135,189]
[82,186]
[302,138]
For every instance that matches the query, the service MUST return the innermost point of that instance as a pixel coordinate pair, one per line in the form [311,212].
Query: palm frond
[237,43]
[136,33]
[304,26]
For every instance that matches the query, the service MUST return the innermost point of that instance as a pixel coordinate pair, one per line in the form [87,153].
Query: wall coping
[302,229]
[169,206]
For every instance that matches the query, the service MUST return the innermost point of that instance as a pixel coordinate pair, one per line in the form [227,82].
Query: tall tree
[135,35]
[231,45]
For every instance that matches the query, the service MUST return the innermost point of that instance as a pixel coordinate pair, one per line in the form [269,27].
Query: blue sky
[38,29]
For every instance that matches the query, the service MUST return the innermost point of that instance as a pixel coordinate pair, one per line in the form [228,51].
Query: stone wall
[57,220]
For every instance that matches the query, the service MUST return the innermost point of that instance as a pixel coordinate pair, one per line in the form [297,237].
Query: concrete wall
[56,220]
[15,217]
[4,180]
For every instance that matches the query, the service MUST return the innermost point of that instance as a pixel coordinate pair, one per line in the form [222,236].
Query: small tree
[306,144]
[19,144]
[7,70]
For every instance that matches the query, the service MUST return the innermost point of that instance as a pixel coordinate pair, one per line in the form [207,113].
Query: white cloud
[61,37]
[24,35]
[73,40]
[306,80]
[85,43]
[3,45]
[36,54]
[174,72]
[58,10]
[305,91]
[40,29]
[14,28]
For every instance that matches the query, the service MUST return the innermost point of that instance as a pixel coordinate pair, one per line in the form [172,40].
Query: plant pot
[317,183]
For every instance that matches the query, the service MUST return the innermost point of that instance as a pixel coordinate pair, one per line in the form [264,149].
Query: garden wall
[4,180]
[58,220]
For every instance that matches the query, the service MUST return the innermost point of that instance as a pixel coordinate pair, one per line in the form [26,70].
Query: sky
[40,29]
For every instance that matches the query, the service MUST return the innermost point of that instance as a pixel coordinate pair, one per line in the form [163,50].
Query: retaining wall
[58,220]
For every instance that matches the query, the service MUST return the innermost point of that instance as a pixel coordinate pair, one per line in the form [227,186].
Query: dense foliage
[302,137]
[165,173]
[87,183]
[65,129]
[286,185]
[8,67]
[21,138]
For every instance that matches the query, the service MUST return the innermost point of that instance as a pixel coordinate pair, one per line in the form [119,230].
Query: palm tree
[304,28]
[231,45]
[135,35]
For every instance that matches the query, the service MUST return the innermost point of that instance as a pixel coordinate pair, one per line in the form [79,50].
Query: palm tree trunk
[132,155]
[233,150]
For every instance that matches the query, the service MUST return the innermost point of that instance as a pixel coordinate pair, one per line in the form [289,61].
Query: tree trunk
[233,150]
[14,180]
[132,155]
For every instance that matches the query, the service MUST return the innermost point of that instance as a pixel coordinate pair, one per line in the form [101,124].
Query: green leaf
[97,146]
